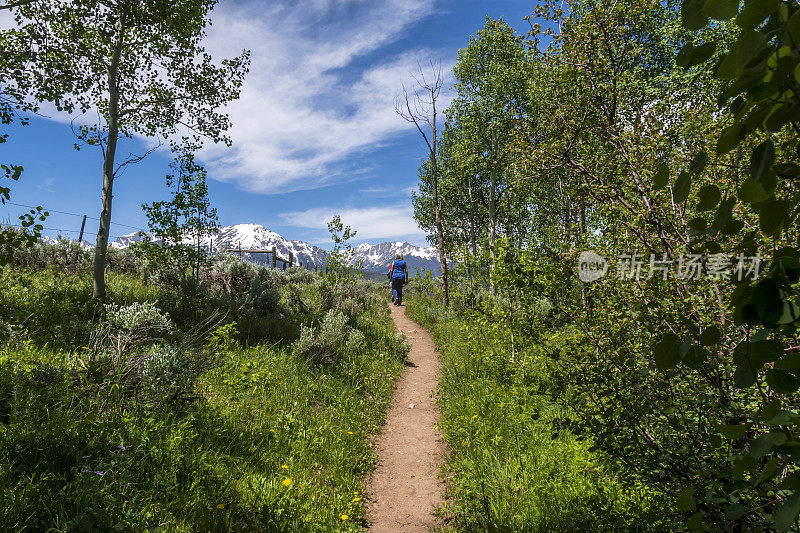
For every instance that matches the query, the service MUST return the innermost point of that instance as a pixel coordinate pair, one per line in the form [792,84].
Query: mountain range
[374,258]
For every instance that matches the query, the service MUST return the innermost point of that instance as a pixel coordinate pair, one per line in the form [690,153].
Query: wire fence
[90,229]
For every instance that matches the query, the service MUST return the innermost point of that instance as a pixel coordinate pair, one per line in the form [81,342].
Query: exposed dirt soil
[405,489]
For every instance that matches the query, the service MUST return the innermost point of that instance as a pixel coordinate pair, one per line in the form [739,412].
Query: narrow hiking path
[404,488]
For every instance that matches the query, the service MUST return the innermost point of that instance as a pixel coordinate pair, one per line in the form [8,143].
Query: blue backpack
[398,269]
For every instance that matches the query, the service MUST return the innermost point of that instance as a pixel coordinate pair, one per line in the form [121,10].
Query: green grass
[509,468]
[75,458]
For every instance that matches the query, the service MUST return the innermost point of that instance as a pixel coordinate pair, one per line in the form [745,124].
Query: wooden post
[291,259]
[83,225]
[240,249]
[274,258]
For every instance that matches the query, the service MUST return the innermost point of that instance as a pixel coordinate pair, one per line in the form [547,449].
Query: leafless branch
[136,158]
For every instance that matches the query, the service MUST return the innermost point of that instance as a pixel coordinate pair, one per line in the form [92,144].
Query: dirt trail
[404,488]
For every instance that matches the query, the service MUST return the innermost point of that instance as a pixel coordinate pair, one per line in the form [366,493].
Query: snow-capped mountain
[256,237]
[49,240]
[246,237]
[376,258]
[126,240]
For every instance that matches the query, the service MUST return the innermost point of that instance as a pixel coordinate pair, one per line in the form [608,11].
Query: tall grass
[510,467]
[268,440]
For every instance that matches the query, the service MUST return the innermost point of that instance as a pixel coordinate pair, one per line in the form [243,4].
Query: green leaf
[710,336]
[734,227]
[730,139]
[692,16]
[685,55]
[702,53]
[695,357]
[733,431]
[697,225]
[680,191]
[743,378]
[782,381]
[745,463]
[786,517]
[765,351]
[753,192]
[771,409]
[709,197]
[766,295]
[721,9]
[735,511]
[793,25]
[754,13]
[698,163]
[762,445]
[771,216]
[762,159]
[685,500]
[667,351]
[661,178]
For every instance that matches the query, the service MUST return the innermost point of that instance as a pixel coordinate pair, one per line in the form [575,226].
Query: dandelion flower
[284,467]
[220,506]
[356,499]
[345,517]
[287,482]
[474,417]
[349,432]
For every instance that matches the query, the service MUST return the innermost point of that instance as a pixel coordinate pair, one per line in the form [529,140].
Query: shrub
[11,334]
[402,344]
[355,341]
[264,295]
[320,344]
[138,317]
[166,374]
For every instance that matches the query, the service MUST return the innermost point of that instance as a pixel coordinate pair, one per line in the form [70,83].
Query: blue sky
[315,132]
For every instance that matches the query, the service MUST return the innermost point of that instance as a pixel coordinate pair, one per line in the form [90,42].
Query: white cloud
[320,90]
[390,222]
[46,185]
[313,97]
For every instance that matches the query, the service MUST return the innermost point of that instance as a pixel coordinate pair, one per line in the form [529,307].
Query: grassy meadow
[510,467]
[241,401]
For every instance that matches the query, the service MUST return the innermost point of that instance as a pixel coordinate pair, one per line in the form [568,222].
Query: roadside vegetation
[243,399]
[654,384]
[511,465]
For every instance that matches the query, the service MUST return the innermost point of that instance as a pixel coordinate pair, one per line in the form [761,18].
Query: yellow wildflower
[474,417]
[356,499]
[287,482]
[345,517]
[349,432]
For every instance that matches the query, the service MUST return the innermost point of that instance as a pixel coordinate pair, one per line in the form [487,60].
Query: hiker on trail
[398,273]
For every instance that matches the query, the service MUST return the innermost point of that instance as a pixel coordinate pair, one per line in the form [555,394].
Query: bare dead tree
[419,108]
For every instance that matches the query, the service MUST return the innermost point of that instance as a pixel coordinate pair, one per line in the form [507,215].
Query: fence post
[291,259]
[80,239]
[274,258]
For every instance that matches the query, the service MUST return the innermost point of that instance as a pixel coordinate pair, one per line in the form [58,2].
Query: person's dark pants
[397,290]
